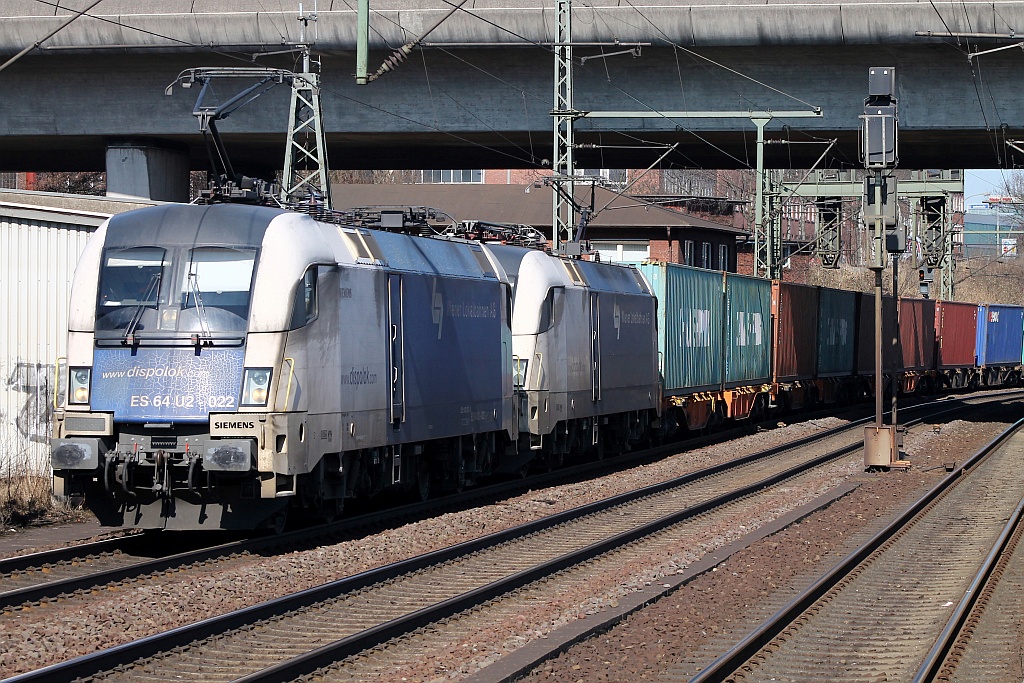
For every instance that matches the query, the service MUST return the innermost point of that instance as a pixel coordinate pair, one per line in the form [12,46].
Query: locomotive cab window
[304,308]
[215,288]
[549,309]
[131,280]
[173,293]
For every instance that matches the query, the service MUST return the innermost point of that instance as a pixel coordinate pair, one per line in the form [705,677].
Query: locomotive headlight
[255,386]
[79,389]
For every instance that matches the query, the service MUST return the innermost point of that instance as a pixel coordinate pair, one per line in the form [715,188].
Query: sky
[979,183]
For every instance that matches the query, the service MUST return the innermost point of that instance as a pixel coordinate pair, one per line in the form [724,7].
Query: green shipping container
[690,314]
[837,338]
[747,330]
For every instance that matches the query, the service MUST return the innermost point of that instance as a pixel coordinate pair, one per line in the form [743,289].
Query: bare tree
[90,183]
[372,177]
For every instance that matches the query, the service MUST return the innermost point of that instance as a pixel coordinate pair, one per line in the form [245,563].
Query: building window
[787,252]
[705,255]
[635,252]
[688,252]
[474,175]
[723,257]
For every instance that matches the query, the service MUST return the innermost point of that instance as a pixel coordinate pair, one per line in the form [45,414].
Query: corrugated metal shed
[41,238]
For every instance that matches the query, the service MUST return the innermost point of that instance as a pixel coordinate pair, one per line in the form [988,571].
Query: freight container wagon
[1000,338]
[748,331]
[836,343]
[794,356]
[917,341]
[956,325]
[692,340]
[690,331]
[866,335]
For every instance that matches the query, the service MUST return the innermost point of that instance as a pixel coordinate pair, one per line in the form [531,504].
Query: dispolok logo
[437,307]
[748,329]
[627,317]
[993,316]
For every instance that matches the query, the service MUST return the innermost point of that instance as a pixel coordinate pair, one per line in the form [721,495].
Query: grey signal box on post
[882,81]
[878,130]
[884,188]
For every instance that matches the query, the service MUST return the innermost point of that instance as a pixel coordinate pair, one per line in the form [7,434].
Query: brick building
[624,228]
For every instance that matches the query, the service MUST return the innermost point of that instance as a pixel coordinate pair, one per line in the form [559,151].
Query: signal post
[880,157]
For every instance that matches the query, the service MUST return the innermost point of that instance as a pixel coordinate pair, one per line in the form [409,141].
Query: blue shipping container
[690,308]
[747,330]
[1000,335]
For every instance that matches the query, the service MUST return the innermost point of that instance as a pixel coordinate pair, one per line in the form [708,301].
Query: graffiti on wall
[35,381]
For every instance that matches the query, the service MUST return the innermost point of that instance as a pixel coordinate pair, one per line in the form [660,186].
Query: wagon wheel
[757,411]
[423,480]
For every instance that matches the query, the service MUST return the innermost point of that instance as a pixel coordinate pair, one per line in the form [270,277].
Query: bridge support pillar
[138,169]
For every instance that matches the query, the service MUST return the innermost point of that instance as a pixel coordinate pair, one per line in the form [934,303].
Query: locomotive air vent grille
[84,424]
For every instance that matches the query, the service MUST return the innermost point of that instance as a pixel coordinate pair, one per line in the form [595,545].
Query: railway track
[40,578]
[47,576]
[878,614]
[979,641]
[297,634]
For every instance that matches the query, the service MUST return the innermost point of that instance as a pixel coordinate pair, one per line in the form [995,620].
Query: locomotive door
[595,344]
[396,350]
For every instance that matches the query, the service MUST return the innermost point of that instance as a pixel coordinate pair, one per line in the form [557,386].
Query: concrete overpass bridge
[479,92]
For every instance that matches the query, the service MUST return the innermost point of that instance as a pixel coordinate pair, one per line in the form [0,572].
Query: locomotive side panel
[622,312]
[451,358]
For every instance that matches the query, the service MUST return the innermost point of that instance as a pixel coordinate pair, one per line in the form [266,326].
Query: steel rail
[122,655]
[92,664]
[61,587]
[932,665]
[53,589]
[18,563]
[730,662]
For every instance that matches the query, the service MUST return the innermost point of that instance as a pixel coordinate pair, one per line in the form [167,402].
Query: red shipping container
[956,327]
[866,334]
[917,333]
[795,331]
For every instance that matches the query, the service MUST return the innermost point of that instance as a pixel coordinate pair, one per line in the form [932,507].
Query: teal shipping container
[748,340]
[837,327]
[690,326]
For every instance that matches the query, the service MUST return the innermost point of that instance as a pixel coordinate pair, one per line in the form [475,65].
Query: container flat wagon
[1000,337]
[956,348]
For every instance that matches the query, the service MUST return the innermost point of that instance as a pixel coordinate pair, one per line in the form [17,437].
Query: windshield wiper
[152,292]
[204,324]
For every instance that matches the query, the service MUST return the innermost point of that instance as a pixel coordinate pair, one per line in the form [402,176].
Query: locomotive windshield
[156,292]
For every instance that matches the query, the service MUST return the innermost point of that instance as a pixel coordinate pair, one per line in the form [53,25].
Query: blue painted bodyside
[166,384]
[1000,335]
[453,356]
